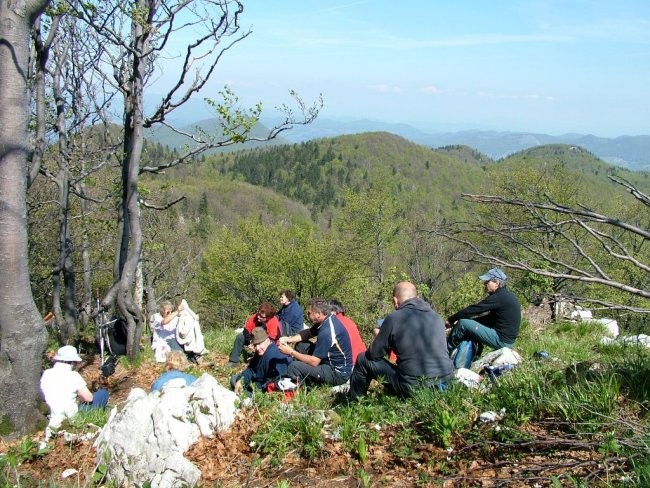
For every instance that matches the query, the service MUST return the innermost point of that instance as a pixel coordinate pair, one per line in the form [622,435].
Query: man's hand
[237,387]
[285,348]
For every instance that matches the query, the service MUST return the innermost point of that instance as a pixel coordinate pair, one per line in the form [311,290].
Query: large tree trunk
[130,248]
[22,333]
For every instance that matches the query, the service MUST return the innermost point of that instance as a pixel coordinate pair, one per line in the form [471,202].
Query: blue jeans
[100,400]
[471,330]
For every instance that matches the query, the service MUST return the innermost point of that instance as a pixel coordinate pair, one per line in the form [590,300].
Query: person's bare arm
[84,394]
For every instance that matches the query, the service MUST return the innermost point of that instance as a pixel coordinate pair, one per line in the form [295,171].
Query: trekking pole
[100,329]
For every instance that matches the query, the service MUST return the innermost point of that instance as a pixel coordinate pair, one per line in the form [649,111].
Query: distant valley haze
[628,151]
[554,68]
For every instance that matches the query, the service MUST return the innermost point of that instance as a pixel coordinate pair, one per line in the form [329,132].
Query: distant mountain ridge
[631,152]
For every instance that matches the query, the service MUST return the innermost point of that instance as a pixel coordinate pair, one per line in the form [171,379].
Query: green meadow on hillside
[578,418]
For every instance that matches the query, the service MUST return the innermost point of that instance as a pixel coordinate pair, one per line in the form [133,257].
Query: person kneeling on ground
[500,316]
[175,366]
[265,317]
[63,388]
[267,365]
[329,361]
[417,335]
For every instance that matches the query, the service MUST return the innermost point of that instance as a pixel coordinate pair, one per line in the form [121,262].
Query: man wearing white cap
[62,387]
[494,321]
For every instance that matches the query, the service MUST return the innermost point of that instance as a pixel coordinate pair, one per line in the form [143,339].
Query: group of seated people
[411,347]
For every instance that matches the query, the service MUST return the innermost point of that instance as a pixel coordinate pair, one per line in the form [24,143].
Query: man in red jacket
[265,317]
[358,346]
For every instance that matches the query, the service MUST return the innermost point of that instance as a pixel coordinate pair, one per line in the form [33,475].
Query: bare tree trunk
[87,299]
[22,333]
[65,267]
[130,248]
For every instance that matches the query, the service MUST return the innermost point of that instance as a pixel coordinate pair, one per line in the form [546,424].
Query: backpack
[284,384]
[464,354]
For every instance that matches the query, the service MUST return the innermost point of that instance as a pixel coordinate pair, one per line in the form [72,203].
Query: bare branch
[642,197]
[163,207]
[561,209]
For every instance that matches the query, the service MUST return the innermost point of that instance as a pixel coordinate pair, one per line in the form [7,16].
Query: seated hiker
[392,357]
[175,367]
[494,321]
[65,391]
[264,317]
[267,365]
[417,335]
[330,359]
[356,342]
[290,314]
[188,332]
[163,327]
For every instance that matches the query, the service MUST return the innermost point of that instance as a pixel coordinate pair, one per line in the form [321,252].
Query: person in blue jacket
[290,314]
[175,365]
[267,365]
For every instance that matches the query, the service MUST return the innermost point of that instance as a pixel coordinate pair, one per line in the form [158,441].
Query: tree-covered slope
[315,172]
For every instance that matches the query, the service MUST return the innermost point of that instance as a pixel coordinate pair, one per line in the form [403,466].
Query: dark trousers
[367,370]
[323,373]
[237,348]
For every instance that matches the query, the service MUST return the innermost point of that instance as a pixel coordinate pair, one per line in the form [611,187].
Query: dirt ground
[228,460]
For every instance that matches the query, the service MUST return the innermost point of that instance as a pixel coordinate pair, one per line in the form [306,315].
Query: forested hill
[315,172]
[589,168]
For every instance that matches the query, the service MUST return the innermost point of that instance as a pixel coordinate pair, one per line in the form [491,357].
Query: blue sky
[555,67]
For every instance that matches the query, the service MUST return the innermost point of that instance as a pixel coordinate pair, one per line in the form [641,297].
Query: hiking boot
[232,365]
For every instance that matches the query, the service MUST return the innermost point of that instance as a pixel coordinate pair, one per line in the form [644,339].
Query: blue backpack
[464,354]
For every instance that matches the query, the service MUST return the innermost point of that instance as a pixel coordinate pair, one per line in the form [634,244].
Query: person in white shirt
[163,326]
[63,388]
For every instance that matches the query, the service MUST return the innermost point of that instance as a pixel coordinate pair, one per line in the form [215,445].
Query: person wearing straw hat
[65,391]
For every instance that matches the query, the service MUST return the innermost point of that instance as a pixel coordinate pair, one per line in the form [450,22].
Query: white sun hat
[68,354]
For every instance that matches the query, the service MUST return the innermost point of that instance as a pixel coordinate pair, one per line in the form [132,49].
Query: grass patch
[588,396]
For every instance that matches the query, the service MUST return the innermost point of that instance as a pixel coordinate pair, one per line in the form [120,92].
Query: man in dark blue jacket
[267,364]
[416,333]
[494,321]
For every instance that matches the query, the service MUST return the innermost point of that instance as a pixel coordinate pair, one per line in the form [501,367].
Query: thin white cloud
[434,90]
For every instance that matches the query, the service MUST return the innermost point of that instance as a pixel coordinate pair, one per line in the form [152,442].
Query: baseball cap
[493,274]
